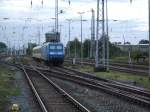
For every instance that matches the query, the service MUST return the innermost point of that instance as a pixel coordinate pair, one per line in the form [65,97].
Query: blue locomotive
[50,52]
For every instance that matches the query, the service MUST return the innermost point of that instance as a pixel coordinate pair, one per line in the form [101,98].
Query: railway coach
[50,52]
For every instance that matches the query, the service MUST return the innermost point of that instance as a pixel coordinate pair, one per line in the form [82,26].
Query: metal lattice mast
[69,32]
[56,15]
[149,35]
[92,34]
[107,32]
[69,36]
[81,43]
[75,51]
[81,38]
[103,32]
[97,32]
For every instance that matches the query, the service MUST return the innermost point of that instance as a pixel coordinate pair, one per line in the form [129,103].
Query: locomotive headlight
[52,53]
[60,53]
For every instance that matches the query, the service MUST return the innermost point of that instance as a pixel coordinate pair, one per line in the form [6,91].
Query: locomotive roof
[54,33]
[52,43]
[47,43]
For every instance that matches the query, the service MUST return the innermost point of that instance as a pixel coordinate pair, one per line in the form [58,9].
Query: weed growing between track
[115,75]
[7,85]
[135,79]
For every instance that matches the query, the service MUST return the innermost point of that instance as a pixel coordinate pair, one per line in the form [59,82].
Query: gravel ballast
[98,101]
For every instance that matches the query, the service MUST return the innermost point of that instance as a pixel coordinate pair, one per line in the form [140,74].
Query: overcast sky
[25,22]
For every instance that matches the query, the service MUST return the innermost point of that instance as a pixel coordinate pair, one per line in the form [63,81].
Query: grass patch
[7,86]
[140,80]
[66,64]
[24,60]
[2,104]
[86,69]
[115,75]
[121,58]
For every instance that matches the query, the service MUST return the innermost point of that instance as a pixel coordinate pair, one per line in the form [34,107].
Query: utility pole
[92,34]
[4,36]
[56,18]
[23,28]
[107,33]
[81,43]
[69,22]
[39,35]
[56,15]
[149,35]
[103,32]
[129,53]
[75,51]
[60,27]
[97,32]
[81,39]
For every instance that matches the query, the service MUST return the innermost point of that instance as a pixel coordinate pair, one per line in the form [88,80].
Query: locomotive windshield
[58,47]
[52,47]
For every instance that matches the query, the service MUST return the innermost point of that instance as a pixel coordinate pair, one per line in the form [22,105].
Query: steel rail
[118,68]
[69,97]
[119,86]
[128,95]
[92,76]
[116,62]
[35,92]
[135,98]
[113,83]
[88,75]
[109,90]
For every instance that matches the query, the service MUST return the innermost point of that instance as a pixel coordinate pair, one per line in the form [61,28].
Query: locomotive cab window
[52,47]
[59,47]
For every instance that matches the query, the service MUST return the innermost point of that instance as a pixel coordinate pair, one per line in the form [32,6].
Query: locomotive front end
[56,53]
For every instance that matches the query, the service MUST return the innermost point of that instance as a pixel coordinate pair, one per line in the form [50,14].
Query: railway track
[135,69]
[134,94]
[91,76]
[49,95]
[119,63]
[131,93]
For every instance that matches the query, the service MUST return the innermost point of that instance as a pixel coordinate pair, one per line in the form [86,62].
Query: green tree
[86,48]
[144,41]
[137,55]
[75,45]
[114,51]
[75,48]
[3,47]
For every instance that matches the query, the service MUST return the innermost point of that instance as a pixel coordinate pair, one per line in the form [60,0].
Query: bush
[137,55]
